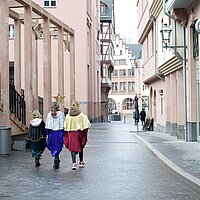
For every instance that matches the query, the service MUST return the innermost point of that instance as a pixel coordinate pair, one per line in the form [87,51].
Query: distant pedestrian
[76,129]
[37,137]
[55,132]
[142,116]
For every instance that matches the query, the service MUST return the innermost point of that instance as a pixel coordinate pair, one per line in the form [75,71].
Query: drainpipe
[184,62]
[185,85]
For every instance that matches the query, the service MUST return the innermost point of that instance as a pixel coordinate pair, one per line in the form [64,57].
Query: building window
[120,62]
[50,3]
[122,86]
[195,44]
[114,86]
[115,73]
[11,73]
[102,8]
[101,70]
[11,31]
[127,104]
[131,72]
[122,72]
[131,86]
[101,49]
[101,28]
[104,72]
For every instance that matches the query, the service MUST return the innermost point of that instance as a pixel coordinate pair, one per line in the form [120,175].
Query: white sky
[126,20]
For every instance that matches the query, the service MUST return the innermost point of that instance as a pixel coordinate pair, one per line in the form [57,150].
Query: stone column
[47,66]
[60,63]
[4,64]
[35,72]
[17,55]
[72,69]
[28,61]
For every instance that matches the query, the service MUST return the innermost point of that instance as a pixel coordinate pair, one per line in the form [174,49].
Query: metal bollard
[124,120]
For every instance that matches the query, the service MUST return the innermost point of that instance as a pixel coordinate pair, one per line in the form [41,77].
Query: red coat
[75,140]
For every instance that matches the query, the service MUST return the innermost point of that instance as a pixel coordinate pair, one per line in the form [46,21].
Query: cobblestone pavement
[185,155]
[118,166]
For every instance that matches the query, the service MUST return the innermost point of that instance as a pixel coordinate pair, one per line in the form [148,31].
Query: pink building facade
[171,73]
[84,17]
[53,54]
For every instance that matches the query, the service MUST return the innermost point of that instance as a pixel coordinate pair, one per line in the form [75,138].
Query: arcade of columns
[24,12]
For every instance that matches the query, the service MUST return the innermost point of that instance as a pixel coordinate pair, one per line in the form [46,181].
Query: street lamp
[166,33]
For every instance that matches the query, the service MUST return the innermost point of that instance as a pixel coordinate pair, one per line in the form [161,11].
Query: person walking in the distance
[55,132]
[37,137]
[143,116]
[136,117]
[75,137]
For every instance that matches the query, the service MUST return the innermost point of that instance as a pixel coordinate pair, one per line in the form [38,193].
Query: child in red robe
[76,127]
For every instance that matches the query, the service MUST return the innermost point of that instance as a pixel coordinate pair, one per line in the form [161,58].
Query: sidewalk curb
[167,161]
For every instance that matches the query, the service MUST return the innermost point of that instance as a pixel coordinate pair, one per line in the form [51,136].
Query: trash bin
[5,140]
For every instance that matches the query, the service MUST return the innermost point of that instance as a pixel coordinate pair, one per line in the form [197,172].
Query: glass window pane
[46,3]
[53,3]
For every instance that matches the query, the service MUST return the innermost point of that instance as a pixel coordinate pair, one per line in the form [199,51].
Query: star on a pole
[59,98]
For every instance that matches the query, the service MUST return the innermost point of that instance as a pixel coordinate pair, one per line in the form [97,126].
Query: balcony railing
[17,105]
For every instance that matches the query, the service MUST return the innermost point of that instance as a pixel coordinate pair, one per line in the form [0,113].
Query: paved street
[118,166]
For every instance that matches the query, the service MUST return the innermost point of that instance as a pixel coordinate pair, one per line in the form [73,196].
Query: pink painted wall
[86,52]
[83,17]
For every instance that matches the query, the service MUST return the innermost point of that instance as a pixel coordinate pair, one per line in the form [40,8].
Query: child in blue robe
[55,132]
